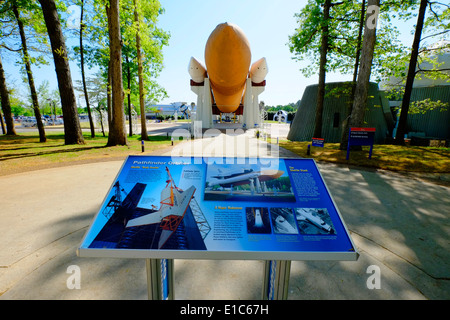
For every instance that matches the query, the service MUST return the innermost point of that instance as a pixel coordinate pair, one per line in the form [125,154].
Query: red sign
[363,129]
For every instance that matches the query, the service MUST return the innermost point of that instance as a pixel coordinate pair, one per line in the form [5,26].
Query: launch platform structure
[264,117]
[114,202]
[248,116]
[202,223]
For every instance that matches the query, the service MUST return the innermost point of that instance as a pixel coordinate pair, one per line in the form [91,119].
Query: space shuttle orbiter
[174,203]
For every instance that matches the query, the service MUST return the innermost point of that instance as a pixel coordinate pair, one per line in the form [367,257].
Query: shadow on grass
[41,153]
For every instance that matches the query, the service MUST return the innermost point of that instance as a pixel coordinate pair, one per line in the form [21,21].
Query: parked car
[29,122]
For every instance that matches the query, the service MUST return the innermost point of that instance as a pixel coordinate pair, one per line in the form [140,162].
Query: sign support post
[160,279]
[276,279]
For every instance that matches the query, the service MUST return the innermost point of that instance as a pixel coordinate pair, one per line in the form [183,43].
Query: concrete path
[399,225]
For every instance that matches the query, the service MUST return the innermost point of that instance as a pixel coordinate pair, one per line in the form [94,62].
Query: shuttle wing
[151,218]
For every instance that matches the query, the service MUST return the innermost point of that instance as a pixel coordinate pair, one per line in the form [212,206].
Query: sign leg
[348,151]
[160,279]
[276,279]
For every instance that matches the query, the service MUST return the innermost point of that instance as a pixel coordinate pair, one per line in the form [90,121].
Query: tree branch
[346,20]
[336,4]
[432,49]
[439,3]
[435,14]
[431,70]
[10,49]
[434,35]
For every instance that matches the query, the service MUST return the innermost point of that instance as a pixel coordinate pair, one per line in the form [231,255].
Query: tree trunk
[322,70]
[108,96]
[86,97]
[2,123]
[144,135]
[6,105]
[362,84]
[117,133]
[345,123]
[130,122]
[401,128]
[72,129]
[26,60]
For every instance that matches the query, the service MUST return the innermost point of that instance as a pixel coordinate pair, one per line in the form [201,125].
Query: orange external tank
[227,58]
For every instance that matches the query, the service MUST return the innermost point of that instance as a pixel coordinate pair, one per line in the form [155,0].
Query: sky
[266,23]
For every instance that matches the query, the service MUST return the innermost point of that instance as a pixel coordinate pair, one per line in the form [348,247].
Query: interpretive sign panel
[318,142]
[361,137]
[218,208]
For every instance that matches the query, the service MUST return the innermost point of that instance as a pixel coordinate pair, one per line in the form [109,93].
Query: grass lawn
[388,157]
[24,152]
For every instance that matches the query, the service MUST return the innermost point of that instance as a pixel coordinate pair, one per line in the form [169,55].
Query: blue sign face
[361,136]
[317,142]
[216,208]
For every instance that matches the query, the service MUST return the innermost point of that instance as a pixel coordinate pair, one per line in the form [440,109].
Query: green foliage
[31,16]
[425,105]
[436,26]
[291,107]
[343,36]
[153,39]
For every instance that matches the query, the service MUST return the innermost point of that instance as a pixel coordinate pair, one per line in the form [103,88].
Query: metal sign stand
[276,279]
[160,279]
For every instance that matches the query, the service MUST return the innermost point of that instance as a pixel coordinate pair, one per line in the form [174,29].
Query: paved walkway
[400,225]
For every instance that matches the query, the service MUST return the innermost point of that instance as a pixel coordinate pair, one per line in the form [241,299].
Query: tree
[96,48]
[322,70]
[412,69]
[345,25]
[345,122]
[144,41]
[6,105]
[314,22]
[362,84]
[117,134]
[327,38]
[83,77]
[144,135]
[26,60]
[151,40]
[72,128]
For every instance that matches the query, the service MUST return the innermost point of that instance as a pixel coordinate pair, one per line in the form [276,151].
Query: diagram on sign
[130,226]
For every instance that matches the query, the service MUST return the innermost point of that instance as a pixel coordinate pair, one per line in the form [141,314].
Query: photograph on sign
[257,220]
[191,208]
[283,221]
[314,221]
[250,183]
